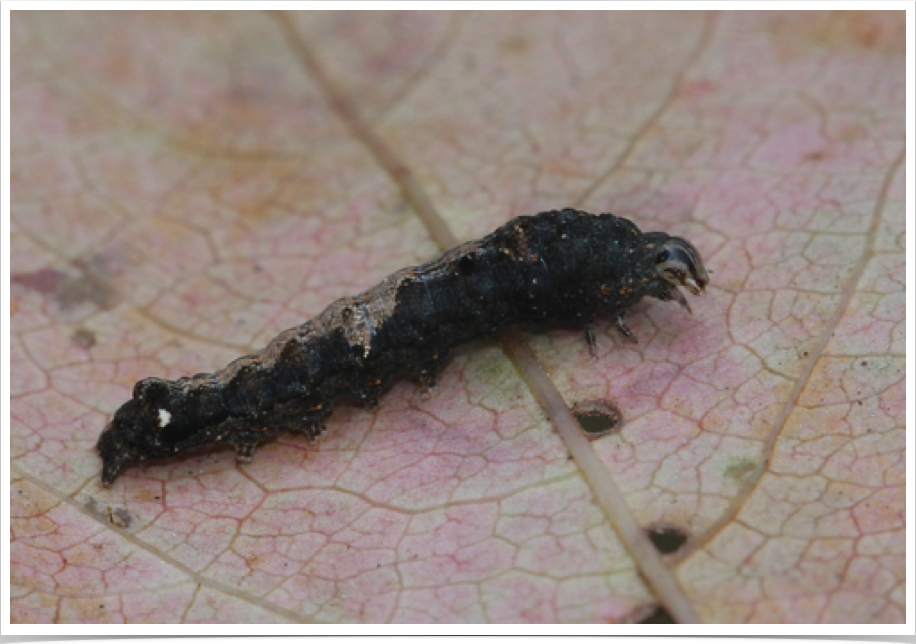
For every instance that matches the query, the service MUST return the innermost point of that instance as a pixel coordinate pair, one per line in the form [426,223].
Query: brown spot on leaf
[83,338]
[815,157]
[515,44]
[881,31]
[146,496]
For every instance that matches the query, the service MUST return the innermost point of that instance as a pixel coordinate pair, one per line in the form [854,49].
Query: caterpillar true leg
[625,330]
[590,338]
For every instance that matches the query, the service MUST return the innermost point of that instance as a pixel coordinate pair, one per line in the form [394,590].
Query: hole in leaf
[598,418]
[667,538]
[654,615]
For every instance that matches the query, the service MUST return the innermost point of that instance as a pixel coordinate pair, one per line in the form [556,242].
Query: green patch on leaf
[740,467]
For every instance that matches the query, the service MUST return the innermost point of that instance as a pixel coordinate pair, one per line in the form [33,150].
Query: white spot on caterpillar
[164,417]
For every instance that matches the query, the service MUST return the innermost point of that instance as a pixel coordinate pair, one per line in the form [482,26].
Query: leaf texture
[184,187]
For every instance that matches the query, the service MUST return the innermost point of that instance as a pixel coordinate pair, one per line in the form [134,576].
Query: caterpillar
[562,266]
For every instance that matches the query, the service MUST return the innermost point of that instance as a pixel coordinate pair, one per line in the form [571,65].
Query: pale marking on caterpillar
[560,266]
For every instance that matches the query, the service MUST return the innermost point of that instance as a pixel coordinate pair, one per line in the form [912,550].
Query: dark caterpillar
[559,266]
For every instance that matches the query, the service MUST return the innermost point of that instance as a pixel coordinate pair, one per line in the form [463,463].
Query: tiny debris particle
[164,417]
[120,517]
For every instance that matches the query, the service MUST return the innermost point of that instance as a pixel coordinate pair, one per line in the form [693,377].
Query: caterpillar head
[135,433]
[678,263]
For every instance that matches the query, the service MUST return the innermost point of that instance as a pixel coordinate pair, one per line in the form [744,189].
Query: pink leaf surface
[183,189]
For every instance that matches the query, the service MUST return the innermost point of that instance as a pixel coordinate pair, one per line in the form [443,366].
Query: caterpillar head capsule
[138,430]
[679,264]
[123,441]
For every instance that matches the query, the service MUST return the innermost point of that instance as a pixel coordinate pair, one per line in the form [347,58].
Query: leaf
[183,188]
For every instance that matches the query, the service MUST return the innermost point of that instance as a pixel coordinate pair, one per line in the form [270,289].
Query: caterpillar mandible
[562,266]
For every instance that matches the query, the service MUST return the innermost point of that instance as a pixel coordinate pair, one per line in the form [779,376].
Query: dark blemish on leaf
[116,516]
[815,156]
[649,614]
[83,338]
[85,284]
[86,288]
[667,538]
[598,417]
[45,281]
[658,616]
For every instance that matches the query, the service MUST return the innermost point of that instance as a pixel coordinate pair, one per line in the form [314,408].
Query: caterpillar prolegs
[562,266]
